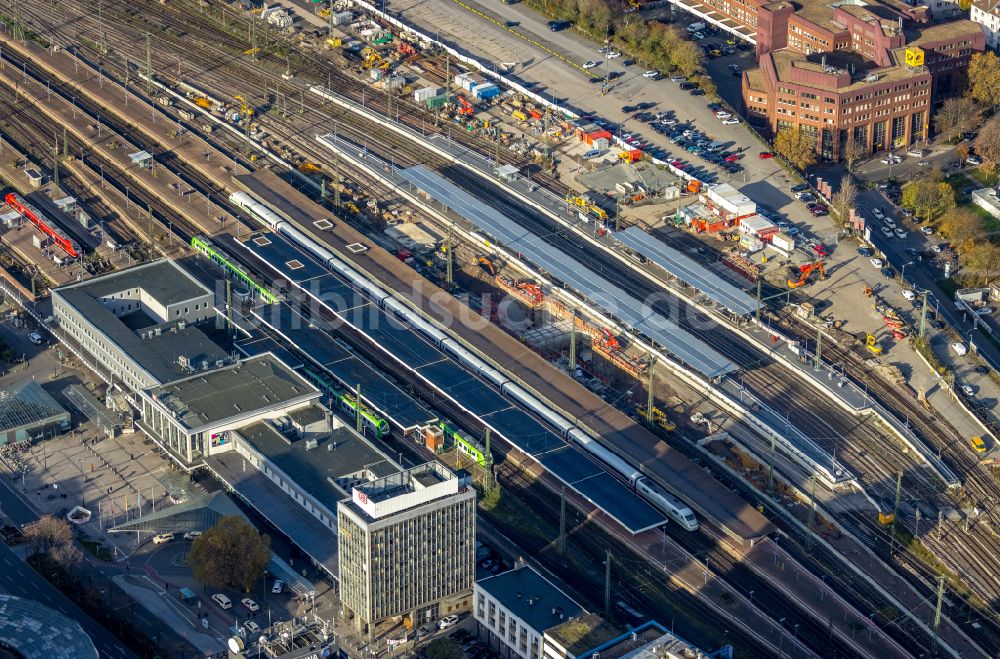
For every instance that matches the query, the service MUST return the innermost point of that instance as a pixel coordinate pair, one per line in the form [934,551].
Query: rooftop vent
[311,444]
[357,248]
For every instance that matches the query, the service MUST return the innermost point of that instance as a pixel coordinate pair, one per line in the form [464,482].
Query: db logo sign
[362,497]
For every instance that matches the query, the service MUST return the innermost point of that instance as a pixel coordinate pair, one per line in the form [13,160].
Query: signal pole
[561,544]
[607,584]
[937,612]
[449,245]
[357,408]
[649,393]
[489,463]
[572,344]
[895,512]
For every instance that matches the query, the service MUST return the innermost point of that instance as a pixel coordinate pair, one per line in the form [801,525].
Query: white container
[342,18]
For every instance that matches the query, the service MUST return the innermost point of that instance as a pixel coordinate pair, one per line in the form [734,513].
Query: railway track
[817,425]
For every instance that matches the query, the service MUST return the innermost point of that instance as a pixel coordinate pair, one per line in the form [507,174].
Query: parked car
[678,79]
[878,263]
[249,604]
[764,155]
[974,160]
[223,601]
[888,273]
[589,64]
[959,348]
[251,627]
[614,54]
[448,621]
[901,234]
[629,109]
[927,231]
[35,338]
[651,73]
[192,535]
[732,121]
[278,587]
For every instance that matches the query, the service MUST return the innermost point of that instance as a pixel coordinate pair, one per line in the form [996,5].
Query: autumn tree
[928,197]
[962,225]
[844,198]
[231,554]
[707,85]
[956,116]
[853,151]
[53,536]
[795,146]
[962,152]
[981,258]
[594,16]
[984,78]
[988,143]
[685,56]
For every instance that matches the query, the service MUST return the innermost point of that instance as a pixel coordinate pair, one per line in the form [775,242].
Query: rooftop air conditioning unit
[311,444]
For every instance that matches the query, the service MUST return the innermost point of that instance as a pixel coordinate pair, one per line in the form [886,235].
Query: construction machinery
[873,345]
[527,292]
[658,417]
[488,265]
[868,291]
[310,168]
[805,271]
[370,59]
[464,107]
[202,102]
[251,51]
[585,202]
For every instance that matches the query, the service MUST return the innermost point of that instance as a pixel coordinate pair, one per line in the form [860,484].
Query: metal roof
[480,399]
[688,271]
[27,404]
[34,631]
[612,299]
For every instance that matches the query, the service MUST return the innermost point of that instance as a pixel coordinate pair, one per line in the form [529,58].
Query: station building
[140,325]
[869,72]
[28,413]
[407,546]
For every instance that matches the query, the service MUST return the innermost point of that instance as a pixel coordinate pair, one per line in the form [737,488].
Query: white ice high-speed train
[673,507]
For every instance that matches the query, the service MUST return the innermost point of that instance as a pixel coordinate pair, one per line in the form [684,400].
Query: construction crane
[464,107]
[873,345]
[805,271]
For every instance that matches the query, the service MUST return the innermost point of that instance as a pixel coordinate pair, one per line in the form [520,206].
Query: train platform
[157,122]
[349,311]
[656,458]
[154,175]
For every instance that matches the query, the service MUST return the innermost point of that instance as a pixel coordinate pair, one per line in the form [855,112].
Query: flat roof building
[407,546]
[513,609]
[28,412]
[192,415]
[138,324]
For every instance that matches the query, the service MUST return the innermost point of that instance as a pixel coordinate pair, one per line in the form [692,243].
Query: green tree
[928,197]
[231,554]
[957,115]
[443,648]
[53,536]
[796,147]
[984,78]
[685,56]
[707,85]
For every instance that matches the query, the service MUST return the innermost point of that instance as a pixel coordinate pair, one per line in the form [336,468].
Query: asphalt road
[21,580]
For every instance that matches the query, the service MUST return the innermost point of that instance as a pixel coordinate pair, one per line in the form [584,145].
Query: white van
[223,601]
[715,146]
[694,27]
[959,348]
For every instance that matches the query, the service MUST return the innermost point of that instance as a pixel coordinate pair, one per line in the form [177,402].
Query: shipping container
[342,18]
[421,95]
[485,92]
[437,102]
[519,115]
[464,81]
[783,243]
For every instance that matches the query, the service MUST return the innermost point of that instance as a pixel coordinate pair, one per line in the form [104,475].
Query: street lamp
[902,272]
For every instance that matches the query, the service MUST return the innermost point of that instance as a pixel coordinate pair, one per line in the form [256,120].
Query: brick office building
[872,73]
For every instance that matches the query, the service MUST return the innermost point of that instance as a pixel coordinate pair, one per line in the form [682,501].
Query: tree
[53,536]
[686,56]
[928,197]
[854,151]
[443,648]
[982,258]
[796,147]
[231,554]
[708,86]
[844,198]
[962,152]
[962,226]
[984,78]
[988,143]
[957,115]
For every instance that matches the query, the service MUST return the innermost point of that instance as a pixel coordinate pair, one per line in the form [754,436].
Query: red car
[733,158]
[678,164]
[820,250]
[764,155]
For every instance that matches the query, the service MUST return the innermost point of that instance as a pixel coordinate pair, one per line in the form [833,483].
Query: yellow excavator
[873,345]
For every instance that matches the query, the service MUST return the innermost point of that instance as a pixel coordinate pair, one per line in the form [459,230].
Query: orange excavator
[487,264]
[805,271]
[464,107]
[609,341]
[532,290]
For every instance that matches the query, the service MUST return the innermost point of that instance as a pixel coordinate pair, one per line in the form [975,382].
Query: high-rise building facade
[407,546]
